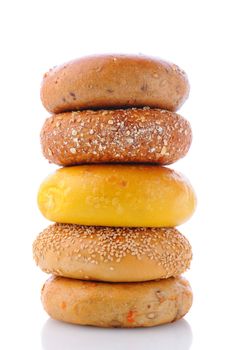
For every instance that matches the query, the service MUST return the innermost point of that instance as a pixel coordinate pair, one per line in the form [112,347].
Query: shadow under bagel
[57,335]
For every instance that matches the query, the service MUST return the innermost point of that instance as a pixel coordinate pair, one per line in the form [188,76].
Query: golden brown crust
[131,195]
[131,135]
[114,81]
[117,305]
[112,254]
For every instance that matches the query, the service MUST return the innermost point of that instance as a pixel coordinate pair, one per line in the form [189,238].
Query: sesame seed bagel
[117,195]
[104,81]
[116,305]
[112,254]
[130,135]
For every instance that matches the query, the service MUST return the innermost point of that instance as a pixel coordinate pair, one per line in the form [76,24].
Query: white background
[36,35]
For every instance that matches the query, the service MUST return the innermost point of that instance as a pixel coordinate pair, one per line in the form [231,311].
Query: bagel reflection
[59,336]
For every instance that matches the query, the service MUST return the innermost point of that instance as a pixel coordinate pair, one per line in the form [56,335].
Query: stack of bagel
[114,253]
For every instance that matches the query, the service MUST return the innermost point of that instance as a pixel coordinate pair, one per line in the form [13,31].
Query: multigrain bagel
[130,305]
[114,81]
[131,135]
[117,195]
[112,254]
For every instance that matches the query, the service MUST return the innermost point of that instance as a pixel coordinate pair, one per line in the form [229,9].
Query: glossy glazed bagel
[106,81]
[143,304]
[117,195]
[108,136]
[112,254]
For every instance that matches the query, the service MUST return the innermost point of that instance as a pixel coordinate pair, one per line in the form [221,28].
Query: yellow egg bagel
[117,195]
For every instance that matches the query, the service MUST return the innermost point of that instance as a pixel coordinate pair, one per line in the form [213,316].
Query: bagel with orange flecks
[130,305]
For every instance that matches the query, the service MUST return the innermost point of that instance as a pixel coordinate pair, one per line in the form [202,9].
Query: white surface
[37,35]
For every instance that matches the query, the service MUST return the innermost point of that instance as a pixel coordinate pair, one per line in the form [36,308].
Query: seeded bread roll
[117,305]
[117,195]
[114,81]
[112,254]
[131,135]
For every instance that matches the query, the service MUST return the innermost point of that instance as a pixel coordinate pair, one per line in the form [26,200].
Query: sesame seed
[130,135]
[73,150]
[130,140]
[166,247]
[159,129]
[165,142]
[163,83]
[163,150]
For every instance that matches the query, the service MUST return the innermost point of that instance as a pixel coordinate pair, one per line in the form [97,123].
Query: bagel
[112,254]
[112,81]
[117,195]
[107,136]
[143,304]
